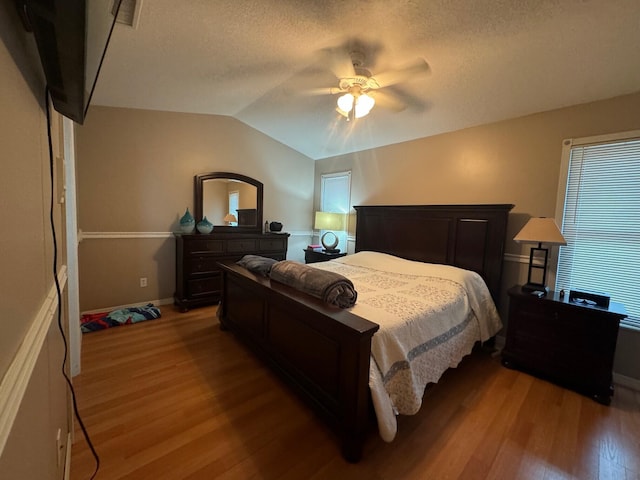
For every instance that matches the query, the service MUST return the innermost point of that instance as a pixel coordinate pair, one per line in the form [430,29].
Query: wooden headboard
[466,236]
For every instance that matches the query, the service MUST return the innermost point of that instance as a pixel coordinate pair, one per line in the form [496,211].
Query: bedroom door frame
[71,225]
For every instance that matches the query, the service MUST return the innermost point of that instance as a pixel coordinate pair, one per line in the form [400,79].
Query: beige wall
[515,161]
[27,265]
[135,175]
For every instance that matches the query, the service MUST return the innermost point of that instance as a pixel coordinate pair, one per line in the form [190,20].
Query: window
[335,196]
[601,219]
[234,202]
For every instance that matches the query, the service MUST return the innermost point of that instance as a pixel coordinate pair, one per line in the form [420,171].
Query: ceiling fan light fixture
[364,104]
[345,102]
[361,104]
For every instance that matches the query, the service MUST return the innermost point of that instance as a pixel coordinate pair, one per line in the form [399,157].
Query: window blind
[335,196]
[601,224]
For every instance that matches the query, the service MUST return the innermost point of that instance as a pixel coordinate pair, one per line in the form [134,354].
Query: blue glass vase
[204,226]
[187,222]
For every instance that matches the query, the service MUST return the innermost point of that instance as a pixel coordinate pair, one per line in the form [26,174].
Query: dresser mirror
[218,195]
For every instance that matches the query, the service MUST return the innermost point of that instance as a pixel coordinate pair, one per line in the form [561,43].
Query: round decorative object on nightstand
[329,247]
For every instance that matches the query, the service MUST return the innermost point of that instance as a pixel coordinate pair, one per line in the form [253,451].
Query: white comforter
[429,315]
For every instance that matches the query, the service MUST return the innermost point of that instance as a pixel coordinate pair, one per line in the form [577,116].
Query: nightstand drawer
[552,326]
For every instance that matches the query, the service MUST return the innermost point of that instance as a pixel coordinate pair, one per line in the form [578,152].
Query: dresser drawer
[204,245]
[242,245]
[205,287]
[202,264]
[272,244]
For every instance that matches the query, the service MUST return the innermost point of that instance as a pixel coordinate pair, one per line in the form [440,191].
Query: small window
[335,196]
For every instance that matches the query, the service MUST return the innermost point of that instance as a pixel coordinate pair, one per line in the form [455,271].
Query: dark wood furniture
[198,275]
[313,256]
[247,217]
[567,343]
[324,352]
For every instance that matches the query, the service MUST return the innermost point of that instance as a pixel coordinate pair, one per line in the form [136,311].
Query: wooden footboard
[322,351]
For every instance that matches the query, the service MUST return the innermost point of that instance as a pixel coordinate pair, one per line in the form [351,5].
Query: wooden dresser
[198,277]
[567,343]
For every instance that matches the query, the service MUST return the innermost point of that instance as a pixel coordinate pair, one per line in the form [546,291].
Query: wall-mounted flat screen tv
[72,38]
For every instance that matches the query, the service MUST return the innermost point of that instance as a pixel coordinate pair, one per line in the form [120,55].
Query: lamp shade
[330,221]
[540,230]
[230,217]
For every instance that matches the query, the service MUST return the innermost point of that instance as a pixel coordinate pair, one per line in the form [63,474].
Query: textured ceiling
[255,61]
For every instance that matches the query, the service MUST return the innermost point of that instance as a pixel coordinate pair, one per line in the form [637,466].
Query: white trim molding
[120,235]
[301,233]
[15,382]
[512,257]
[114,235]
[632,383]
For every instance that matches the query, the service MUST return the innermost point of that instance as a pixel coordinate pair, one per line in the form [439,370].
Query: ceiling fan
[360,90]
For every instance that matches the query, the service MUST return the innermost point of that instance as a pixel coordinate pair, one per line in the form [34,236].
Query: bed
[325,353]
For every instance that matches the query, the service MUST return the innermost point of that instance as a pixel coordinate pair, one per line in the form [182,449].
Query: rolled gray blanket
[257,264]
[329,287]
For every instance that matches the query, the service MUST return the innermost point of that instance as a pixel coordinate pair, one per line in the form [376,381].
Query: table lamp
[330,221]
[539,230]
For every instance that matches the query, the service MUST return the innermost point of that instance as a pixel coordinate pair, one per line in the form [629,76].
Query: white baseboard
[162,301]
[16,379]
[632,383]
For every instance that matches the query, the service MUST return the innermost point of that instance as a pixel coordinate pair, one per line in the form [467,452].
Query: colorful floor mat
[91,322]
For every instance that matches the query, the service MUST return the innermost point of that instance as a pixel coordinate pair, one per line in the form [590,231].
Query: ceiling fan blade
[339,62]
[320,91]
[386,99]
[392,77]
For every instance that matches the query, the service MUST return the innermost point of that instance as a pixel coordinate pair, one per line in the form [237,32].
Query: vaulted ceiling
[257,60]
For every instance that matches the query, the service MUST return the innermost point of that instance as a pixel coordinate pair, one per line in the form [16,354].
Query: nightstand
[570,344]
[312,256]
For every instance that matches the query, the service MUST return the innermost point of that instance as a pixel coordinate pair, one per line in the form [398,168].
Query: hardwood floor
[177,398]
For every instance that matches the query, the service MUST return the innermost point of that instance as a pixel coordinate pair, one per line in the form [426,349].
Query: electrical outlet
[143,281]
